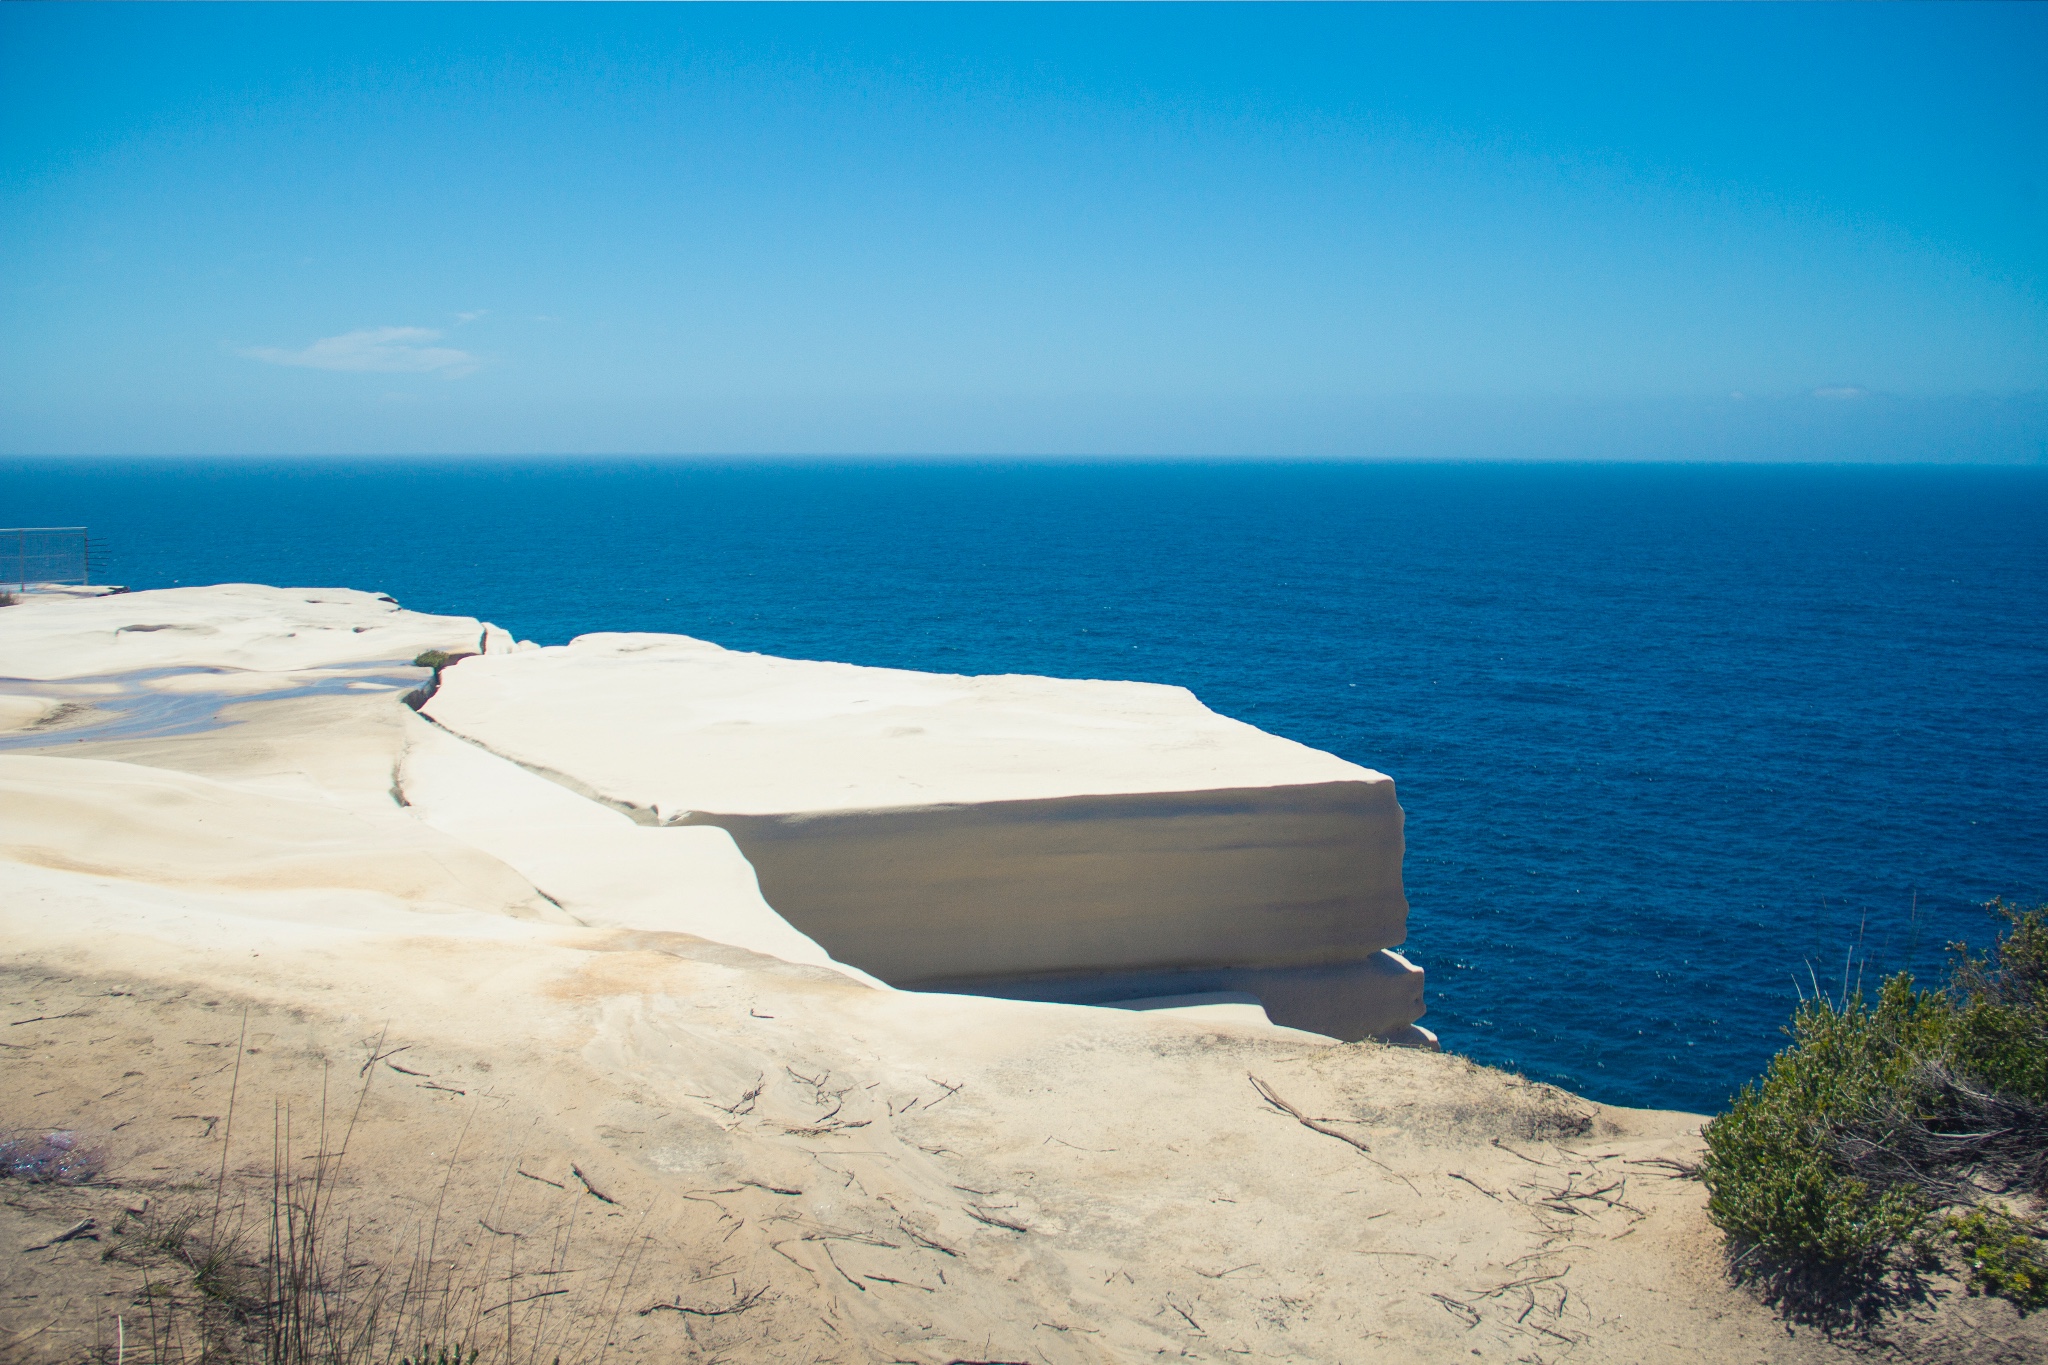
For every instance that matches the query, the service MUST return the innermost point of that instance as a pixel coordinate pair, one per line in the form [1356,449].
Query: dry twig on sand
[983,1216]
[739,1305]
[1460,1175]
[82,1228]
[594,1191]
[1318,1125]
[1322,1126]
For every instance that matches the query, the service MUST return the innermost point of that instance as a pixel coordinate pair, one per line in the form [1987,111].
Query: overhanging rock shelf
[1080,841]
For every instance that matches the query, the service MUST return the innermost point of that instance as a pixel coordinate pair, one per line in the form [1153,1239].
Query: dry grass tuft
[288,1279]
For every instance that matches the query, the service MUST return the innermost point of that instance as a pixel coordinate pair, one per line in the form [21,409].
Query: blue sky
[1385,231]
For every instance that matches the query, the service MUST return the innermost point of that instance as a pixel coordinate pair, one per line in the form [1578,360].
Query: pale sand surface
[21,712]
[815,1167]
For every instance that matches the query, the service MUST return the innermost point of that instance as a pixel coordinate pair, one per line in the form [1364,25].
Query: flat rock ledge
[1081,841]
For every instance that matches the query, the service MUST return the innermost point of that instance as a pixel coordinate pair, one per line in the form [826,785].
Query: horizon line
[2038,461]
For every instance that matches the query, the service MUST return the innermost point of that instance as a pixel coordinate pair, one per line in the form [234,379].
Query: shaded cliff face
[1275,876]
[1083,841]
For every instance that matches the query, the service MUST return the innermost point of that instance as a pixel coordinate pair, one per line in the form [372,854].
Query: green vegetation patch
[2007,1257]
[1881,1116]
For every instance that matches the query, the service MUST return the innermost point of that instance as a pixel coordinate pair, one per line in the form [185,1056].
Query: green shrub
[2006,1256]
[2002,1039]
[1774,1176]
[1877,1117]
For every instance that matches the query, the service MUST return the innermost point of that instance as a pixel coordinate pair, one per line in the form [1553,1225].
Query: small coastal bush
[1880,1117]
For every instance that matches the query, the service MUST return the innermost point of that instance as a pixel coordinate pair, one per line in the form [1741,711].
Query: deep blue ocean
[1668,737]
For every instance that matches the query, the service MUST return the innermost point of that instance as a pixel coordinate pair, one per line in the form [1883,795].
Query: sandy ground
[590,1125]
[720,1158]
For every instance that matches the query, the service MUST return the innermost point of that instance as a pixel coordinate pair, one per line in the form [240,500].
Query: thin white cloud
[472,315]
[374,350]
[1841,393]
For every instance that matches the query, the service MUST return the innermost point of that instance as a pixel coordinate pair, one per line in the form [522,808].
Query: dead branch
[821,1129]
[1500,1289]
[884,1279]
[834,1263]
[744,1105]
[595,1192]
[838,1235]
[82,1228]
[1318,1125]
[914,1235]
[376,1057]
[738,1306]
[1512,1152]
[981,1216]
[1460,1175]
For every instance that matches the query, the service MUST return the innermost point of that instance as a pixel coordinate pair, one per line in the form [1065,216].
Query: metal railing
[34,555]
